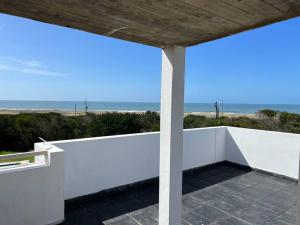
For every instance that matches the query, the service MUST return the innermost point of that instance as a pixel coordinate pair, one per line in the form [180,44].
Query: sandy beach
[72,113]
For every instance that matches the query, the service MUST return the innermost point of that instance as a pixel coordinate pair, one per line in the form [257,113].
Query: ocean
[140,106]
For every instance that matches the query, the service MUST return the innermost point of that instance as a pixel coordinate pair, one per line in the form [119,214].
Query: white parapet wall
[274,152]
[95,164]
[33,194]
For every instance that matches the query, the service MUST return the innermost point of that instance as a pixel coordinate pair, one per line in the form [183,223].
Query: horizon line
[147,102]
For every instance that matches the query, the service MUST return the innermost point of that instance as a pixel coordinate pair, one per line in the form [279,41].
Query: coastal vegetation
[19,132]
[29,159]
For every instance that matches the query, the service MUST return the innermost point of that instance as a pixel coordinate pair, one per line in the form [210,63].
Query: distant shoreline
[72,113]
[68,107]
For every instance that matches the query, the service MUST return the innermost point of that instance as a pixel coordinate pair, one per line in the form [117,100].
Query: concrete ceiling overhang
[157,23]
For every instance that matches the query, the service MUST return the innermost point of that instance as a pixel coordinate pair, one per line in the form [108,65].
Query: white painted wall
[33,194]
[203,146]
[270,151]
[96,164]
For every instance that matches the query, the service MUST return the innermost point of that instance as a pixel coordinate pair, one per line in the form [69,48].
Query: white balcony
[108,166]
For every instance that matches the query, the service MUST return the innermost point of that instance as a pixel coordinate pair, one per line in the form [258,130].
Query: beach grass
[17,160]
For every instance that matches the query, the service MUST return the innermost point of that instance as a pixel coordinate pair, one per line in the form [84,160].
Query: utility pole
[86,106]
[75,109]
[222,108]
[217,110]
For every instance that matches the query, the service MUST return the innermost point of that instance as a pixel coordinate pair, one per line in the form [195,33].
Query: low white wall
[274,152]
[96,164]
[33,194]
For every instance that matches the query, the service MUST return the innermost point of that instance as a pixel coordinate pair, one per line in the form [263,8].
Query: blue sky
[45,62]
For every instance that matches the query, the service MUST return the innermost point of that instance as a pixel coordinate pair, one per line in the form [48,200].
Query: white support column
[171,135]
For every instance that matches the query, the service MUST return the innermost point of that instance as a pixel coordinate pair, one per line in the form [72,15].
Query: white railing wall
[95,164]
[33,194]
[274,152]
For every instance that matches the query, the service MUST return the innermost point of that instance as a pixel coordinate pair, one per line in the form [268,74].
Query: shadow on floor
[211,195]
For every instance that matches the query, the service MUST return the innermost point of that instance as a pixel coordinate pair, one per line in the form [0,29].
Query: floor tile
[210,214]
[256,214]
[231,221]
[259,191]
[123,220]
[189,203]
[205,196]
[281,199]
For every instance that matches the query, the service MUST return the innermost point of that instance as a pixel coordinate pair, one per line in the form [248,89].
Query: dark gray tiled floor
[222,194]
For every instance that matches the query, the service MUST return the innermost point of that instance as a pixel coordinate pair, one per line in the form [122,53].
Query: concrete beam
[171,135]
[157,23]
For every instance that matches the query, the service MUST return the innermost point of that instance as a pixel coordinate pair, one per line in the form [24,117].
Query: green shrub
[286,117]
[20,132]
[269,113]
